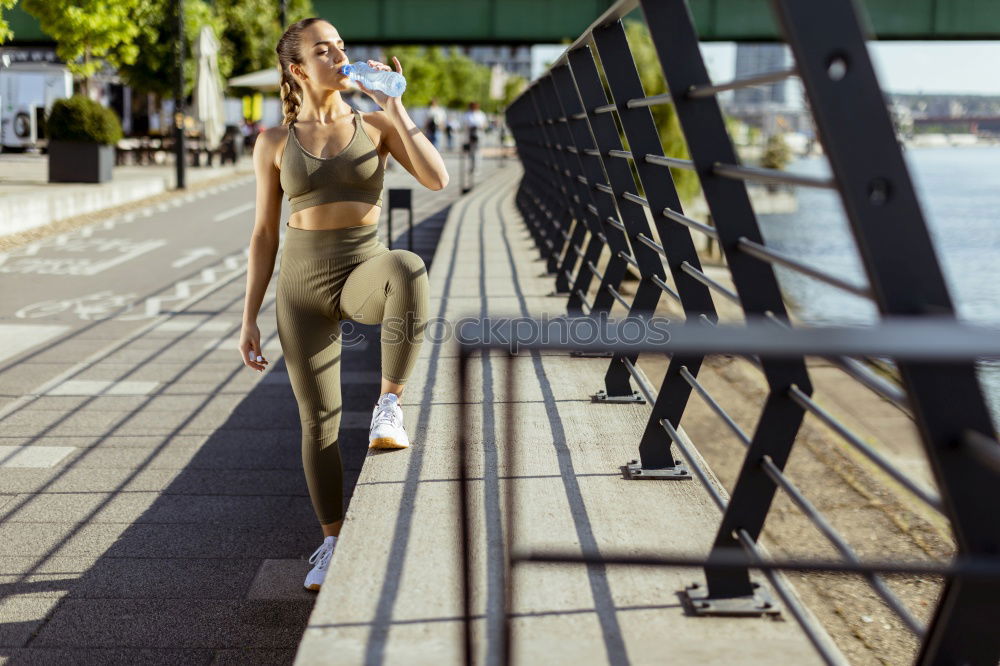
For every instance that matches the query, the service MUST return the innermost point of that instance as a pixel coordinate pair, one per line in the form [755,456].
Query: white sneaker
[387,424]
[315,578]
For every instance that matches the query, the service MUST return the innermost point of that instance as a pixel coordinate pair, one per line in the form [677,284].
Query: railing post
[600,206]
[676,42]
[678,247]
[587,220]
[549,115]
[521,127]
[575,192]
[899,258]
[538,191]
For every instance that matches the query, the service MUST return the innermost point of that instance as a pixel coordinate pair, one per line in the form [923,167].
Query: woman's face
[323,54]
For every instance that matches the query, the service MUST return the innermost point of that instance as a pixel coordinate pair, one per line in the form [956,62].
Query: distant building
[515,59]
[774,107]
[759,59]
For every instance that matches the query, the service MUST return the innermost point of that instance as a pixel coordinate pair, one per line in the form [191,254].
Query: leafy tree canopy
[5,31]
[155,69]
[87,31]
[664,115]
[251,31]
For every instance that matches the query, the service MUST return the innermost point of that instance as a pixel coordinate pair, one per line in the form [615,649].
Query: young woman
[329,158]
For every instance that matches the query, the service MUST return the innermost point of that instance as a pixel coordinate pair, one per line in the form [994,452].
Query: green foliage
[777,154]
[5,31]
[514,86]
[87,31]
[155,69]
[664,115]
[425,72]
[451,77]
[251,31]
[80,118]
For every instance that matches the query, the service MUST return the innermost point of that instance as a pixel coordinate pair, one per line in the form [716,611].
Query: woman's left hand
[380,97]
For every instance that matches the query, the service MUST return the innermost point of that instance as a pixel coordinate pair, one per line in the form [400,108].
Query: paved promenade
[29,201]
[393,593]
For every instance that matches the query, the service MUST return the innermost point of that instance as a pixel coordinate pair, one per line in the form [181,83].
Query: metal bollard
[401,198]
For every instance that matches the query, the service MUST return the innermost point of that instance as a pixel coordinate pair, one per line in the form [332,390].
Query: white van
[27,91]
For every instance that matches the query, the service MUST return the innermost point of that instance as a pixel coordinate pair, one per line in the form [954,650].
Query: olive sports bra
[354,174]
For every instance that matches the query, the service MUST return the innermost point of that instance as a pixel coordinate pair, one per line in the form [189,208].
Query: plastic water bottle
[391,83]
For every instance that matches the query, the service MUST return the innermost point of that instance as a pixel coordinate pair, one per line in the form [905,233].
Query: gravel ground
[877,519]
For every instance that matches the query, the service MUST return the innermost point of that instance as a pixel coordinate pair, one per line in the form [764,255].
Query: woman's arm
[403,139]
[411,148]
[263,244]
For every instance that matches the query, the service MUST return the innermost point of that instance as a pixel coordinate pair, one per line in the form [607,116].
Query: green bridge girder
[542,21]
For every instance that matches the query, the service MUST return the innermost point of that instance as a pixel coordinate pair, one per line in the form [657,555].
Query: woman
[330,160]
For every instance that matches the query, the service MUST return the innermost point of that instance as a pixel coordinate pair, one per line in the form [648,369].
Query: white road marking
[33,456]
[193,255]
[101,387]
[17,338]
[233,212]
[140,249]
[26,260]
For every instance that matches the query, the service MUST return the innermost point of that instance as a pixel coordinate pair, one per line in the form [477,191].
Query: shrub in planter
[82,137]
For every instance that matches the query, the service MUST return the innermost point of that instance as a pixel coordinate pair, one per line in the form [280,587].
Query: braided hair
[289,51]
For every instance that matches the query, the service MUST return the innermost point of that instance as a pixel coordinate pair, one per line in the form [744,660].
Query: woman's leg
[311,345]
[391,289]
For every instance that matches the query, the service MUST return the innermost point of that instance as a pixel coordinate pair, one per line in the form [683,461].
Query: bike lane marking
[18,338]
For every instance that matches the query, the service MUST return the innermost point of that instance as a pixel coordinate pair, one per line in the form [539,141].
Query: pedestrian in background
[475,123]
[436,120]
[450,130]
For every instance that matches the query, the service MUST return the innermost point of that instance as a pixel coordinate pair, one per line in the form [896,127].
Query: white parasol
[208,102]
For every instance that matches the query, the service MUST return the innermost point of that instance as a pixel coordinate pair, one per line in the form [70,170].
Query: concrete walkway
[393,593]
[152,503]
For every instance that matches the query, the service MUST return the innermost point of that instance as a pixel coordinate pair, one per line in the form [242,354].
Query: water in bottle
[391,83]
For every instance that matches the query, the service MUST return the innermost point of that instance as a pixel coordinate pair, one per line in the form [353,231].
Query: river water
[959,192]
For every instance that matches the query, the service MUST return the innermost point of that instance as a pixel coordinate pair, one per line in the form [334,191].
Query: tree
[251,31]
[664,115]
[89,31]
[513,87]
[5,31]
[451,77]
[469,80]
[155,68]
[425,72]
[777,154]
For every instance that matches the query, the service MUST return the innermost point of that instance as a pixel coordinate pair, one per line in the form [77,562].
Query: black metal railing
[579,199]
[930,342]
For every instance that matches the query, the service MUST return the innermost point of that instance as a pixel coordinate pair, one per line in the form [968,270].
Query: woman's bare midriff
[335,215]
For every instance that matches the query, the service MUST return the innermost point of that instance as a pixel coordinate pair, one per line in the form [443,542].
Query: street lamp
[179,98]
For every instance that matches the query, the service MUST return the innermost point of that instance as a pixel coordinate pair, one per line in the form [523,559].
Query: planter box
[80,161]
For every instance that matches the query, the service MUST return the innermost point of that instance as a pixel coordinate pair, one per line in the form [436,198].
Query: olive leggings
[326,276]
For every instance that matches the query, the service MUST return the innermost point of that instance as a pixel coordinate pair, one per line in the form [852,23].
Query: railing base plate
[602,396]
[635,470]
[756,605]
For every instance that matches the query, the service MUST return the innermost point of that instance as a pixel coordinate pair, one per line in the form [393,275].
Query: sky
[903,67]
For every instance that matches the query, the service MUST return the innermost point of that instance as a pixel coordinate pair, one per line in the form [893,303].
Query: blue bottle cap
[346,70]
